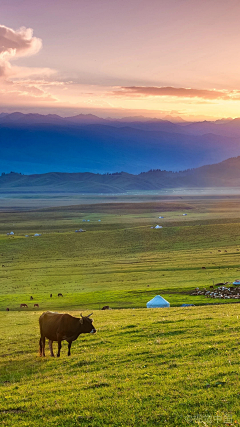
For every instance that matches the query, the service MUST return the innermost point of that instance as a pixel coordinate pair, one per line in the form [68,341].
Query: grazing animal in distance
[106,307]
[60,295]
[59,327]
[50,295]
[36,305]
[204,268]
[3,265]
[31,298]
[23,305]
[7,309]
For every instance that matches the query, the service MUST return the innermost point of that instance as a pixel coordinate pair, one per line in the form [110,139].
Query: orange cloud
[154,91]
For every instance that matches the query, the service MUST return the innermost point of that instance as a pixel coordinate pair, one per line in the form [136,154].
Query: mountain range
[224,174]
[35,143]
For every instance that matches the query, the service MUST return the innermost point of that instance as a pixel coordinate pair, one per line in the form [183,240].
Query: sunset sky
[121,58]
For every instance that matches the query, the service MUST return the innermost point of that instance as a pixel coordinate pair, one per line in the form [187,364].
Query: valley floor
[145,367]
[120,260]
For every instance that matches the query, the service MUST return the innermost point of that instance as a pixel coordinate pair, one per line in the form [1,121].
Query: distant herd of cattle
[105,307]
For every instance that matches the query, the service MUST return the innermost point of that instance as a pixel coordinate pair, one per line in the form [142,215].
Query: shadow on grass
[82,363]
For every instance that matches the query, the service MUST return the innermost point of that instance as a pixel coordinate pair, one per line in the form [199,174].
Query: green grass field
[120,261]
[166,367]
[169,367]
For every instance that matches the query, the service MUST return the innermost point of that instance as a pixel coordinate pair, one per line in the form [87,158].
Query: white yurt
[158,302]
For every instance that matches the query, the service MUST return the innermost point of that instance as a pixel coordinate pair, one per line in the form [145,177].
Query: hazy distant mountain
[35,143]
[224,174]
[96,148]
[29,119]
[174,119]
[230,128]
[86,119]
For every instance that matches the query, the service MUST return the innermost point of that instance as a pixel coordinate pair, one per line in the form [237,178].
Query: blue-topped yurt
[158,302]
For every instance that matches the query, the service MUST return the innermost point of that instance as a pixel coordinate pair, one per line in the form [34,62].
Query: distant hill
[35,143]
[224,174]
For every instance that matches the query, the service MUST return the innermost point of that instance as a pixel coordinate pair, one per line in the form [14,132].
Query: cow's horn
[89,315]
[81,315]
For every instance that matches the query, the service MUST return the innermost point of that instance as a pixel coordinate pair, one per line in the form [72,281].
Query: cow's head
[87,326]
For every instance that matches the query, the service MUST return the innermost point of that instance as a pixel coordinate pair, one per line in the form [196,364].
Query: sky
[121,58]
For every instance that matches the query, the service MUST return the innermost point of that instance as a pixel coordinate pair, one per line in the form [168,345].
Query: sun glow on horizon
[117,59]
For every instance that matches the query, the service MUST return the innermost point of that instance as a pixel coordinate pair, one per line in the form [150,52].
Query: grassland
[120,261]
[168,367]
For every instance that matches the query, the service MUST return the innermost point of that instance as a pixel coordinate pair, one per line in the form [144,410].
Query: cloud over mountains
[20,82]
[179,92]
[14,44]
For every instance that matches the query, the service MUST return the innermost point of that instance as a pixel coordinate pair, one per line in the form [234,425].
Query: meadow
[119,261]
[168,367]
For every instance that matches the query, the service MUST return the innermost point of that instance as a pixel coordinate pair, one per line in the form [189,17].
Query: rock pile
[221,292]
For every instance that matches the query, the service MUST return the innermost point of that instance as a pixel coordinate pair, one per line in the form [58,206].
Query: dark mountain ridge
[224,174]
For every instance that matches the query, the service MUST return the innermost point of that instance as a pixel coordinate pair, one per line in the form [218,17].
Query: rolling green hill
[224,174]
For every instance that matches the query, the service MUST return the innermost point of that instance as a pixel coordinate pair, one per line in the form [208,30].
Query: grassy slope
[142,368]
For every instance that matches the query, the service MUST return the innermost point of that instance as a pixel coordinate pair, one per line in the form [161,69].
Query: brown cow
[59,327]
[60,295]
[23,305]
[31,298]
[7,309]
[36,305]
[106,307]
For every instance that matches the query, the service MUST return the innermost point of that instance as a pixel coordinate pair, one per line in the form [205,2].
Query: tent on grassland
[158,302]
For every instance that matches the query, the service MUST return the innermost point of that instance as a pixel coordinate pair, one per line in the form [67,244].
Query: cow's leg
[69,348]
[59,347]
[40,347]
[50,347]
[43,345]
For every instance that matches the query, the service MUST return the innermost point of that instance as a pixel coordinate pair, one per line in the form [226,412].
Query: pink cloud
[14,44]
[21,82]
[176,92]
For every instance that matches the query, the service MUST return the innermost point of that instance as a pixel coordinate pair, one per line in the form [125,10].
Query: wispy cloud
[169,91]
